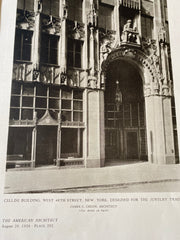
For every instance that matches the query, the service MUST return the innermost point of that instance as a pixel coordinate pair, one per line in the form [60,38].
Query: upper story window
[49,48]
[25,4]
[147,26]
[74,53]
[75,10]
[105,16]
[50,7]
[23,42]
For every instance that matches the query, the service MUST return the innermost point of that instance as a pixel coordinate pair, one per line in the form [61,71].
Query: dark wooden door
[132,150]
[46,145]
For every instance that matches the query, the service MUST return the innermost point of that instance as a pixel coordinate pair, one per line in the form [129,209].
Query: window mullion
[49,44]
[72,108]
[22,44]
[47,100]
[20,110]
[74,53]
[34,100]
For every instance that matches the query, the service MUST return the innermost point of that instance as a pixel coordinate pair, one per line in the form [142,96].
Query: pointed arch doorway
[125,124]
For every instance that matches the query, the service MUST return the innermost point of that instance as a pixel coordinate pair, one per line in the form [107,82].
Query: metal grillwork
[135,4]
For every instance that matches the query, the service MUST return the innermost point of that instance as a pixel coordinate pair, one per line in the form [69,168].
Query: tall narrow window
[105,17]
[49,49]
[26,4]
[50,7]
[75,10]
[23,42]
[74,53]
[147,26]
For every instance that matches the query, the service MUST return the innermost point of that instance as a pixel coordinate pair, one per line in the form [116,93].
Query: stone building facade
[91,84]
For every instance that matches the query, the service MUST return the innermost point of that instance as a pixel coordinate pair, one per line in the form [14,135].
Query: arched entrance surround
[160,141]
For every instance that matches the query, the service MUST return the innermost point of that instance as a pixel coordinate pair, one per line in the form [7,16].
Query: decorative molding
[63,77]
[92,16]
[36,74]
[135,4]
[153,82]
[162,35]
[25,19]
[50,24]
[22,72]
[65,12]
[75,30]
[92,82]
[50,74]
[26,122]
[47,120]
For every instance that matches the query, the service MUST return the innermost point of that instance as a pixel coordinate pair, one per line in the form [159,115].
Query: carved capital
[75,30]
[92,82]
[50,24]
[25,20]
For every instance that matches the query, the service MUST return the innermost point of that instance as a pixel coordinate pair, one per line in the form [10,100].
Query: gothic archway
[155,91]
[125,125]
[146,64]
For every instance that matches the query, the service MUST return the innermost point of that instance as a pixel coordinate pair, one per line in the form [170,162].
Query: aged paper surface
[71,216]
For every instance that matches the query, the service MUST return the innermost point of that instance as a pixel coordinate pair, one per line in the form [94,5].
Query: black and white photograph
[92,103]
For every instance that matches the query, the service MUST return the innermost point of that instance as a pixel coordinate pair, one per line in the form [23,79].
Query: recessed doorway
[46,145]
[125,123]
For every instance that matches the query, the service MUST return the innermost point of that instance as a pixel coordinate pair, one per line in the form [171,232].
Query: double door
[123,144]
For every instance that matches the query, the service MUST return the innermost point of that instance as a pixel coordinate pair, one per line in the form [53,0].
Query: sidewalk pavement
[52,179]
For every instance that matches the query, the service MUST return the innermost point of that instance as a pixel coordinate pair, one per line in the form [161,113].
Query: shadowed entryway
[46,145]
[125,126]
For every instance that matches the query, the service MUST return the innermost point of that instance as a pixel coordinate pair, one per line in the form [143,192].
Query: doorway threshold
[45,167]
[117,162]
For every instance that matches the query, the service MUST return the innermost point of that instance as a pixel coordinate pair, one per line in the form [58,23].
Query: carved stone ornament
[75,30]
[150,49]
[50,74]
[148,46]
[51,25]
[148,61]
[92,82]
[36,74]
[73,78]
[162,35]
[63,77]
[65,12]
[130,35]
[47,120]
[25,20]
[92,17]
[107,41]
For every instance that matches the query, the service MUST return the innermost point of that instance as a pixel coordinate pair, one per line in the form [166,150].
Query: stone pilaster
[159,130]
[95,129]
[63,40]
[36,41]
[117,23]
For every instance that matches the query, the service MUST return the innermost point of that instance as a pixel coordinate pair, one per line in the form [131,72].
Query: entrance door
[132,150]
[113,142]
[125,125]
[46,145]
